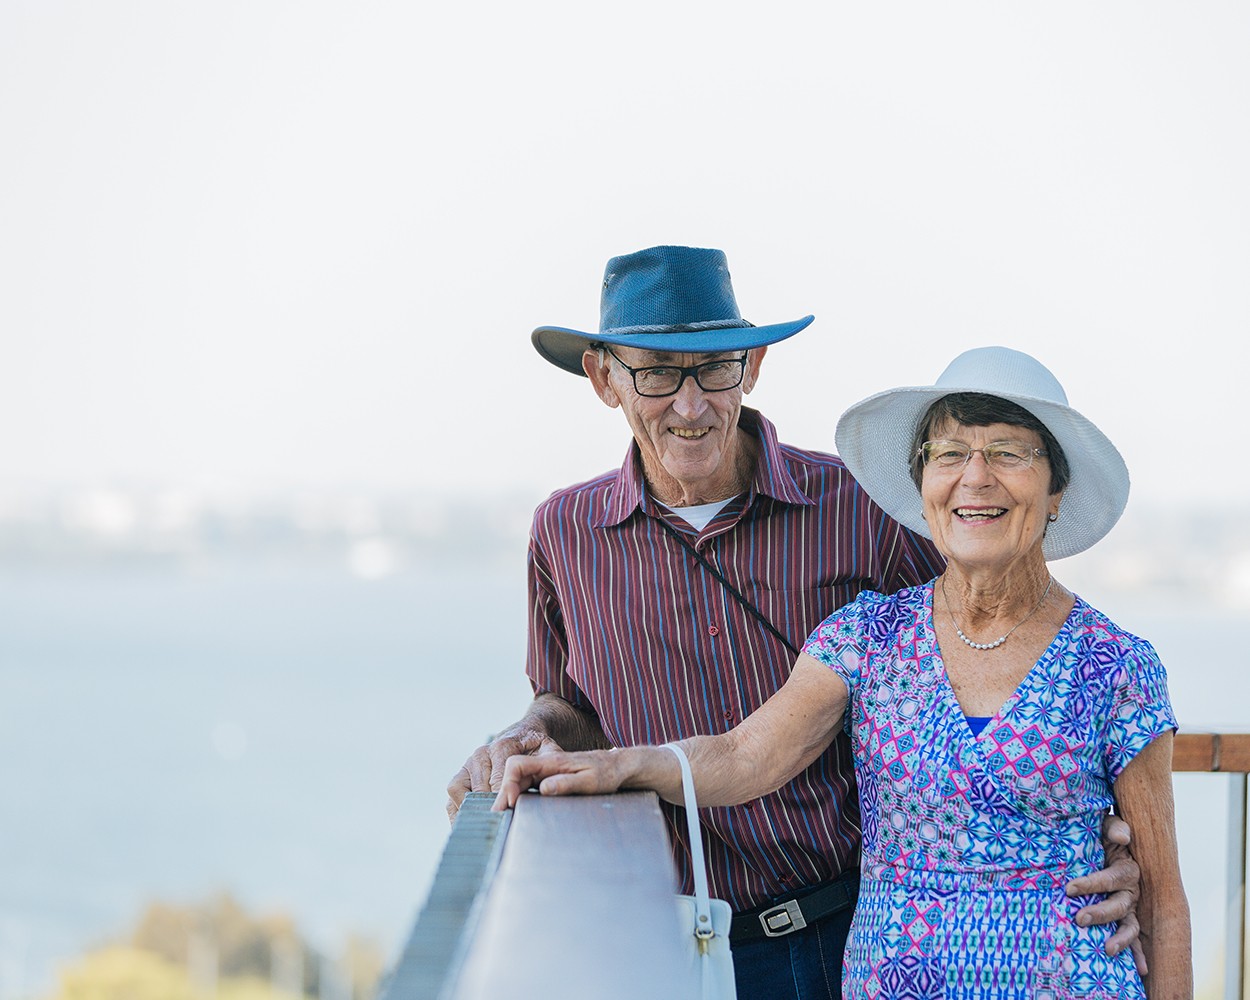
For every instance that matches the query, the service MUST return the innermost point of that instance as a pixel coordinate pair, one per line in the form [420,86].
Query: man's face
[690,446]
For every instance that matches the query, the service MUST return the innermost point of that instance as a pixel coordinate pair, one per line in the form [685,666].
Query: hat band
[711,324]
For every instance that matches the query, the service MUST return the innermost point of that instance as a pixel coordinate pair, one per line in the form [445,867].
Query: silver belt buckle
[782,919]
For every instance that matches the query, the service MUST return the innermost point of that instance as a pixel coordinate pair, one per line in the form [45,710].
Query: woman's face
[983,518]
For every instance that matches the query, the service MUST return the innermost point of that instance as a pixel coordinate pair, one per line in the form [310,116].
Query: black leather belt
[789,915]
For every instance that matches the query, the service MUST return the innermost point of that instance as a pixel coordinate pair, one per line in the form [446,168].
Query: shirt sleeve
[547,653]
[910,558]
[840,642]
[1141,710]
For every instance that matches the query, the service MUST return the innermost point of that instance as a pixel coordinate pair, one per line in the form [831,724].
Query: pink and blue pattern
[969,840]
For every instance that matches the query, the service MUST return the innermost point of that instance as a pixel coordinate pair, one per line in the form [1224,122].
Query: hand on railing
[550,724]
[590,772]
[483,771]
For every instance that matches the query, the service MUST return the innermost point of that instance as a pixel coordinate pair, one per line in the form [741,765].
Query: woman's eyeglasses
[1004,456]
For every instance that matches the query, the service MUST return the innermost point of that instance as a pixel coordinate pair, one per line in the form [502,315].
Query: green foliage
[250,988]
[214,949]
[124,974]
[244,945]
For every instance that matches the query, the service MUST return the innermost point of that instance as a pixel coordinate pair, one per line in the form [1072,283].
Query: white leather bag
[705,920]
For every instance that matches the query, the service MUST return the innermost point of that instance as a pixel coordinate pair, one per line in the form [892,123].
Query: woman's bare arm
[1143,794]
[762,753]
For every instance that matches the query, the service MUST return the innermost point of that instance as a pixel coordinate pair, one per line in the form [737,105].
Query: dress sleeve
[1141,710]
[841,640]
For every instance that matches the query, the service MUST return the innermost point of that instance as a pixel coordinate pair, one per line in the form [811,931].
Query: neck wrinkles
[733,477]
[982,599]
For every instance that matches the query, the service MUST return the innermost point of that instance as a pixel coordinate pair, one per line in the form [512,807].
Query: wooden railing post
[1226,753]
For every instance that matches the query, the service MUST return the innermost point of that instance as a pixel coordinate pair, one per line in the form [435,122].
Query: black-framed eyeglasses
[1005,456]
[667,380]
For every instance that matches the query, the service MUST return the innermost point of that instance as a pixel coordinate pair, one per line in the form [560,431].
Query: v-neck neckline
[1027,682]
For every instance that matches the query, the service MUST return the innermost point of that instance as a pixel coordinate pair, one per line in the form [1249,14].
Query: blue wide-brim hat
[676,299]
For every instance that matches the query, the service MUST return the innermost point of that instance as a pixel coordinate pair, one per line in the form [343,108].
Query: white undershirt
[700,515]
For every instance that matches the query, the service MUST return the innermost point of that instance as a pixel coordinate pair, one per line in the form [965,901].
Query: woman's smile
[981,515]
[973,514]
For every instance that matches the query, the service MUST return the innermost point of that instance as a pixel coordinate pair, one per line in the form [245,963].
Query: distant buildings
[181,530]
[1187,554]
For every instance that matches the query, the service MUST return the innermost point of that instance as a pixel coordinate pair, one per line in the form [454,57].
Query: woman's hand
[594,772]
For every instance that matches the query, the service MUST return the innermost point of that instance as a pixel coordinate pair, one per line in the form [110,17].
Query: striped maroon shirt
[624,623]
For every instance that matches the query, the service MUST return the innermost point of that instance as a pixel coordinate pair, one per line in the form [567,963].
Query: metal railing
[580,904]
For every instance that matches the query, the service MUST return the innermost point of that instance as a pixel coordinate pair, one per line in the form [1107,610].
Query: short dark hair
[979,409]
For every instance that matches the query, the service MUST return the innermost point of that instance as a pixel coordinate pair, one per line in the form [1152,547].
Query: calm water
[287,735]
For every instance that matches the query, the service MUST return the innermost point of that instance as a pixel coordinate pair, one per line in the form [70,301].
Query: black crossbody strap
[737,596]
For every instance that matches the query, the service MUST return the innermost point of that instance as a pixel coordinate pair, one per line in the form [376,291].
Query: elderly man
[668,598]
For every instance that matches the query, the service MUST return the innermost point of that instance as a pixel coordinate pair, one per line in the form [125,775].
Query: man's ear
[755,358]
[597,366]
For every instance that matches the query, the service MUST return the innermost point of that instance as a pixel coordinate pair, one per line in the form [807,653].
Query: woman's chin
[984,557]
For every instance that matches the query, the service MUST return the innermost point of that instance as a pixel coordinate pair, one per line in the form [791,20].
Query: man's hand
[1120,882]
[483,771]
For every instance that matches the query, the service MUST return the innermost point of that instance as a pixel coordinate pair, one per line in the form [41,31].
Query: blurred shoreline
[1165,553]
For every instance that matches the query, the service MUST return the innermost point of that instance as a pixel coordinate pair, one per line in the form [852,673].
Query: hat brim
[564,347]
[874,436]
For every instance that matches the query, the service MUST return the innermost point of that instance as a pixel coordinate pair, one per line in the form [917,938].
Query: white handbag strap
[702,907]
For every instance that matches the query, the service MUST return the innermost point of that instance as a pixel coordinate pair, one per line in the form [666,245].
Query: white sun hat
[875,435]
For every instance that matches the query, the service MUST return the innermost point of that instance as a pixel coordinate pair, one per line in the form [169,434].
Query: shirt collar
[772,476]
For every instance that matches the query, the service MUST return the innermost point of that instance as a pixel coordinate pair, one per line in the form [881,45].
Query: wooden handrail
[1227,753]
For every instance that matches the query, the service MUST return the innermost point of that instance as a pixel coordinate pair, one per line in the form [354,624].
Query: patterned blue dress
[969,840]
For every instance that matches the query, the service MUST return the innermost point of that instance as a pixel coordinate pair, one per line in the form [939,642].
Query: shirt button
[784,878]
[712,630]
[729,716]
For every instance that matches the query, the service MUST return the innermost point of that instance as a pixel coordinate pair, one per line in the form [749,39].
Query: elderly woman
[994,715]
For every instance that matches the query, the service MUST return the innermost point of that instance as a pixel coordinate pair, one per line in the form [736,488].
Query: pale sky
[305,243]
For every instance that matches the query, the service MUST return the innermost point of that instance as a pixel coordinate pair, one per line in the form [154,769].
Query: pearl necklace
[1002,638]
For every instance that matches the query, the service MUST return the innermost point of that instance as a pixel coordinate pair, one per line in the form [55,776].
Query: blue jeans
[805,965]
